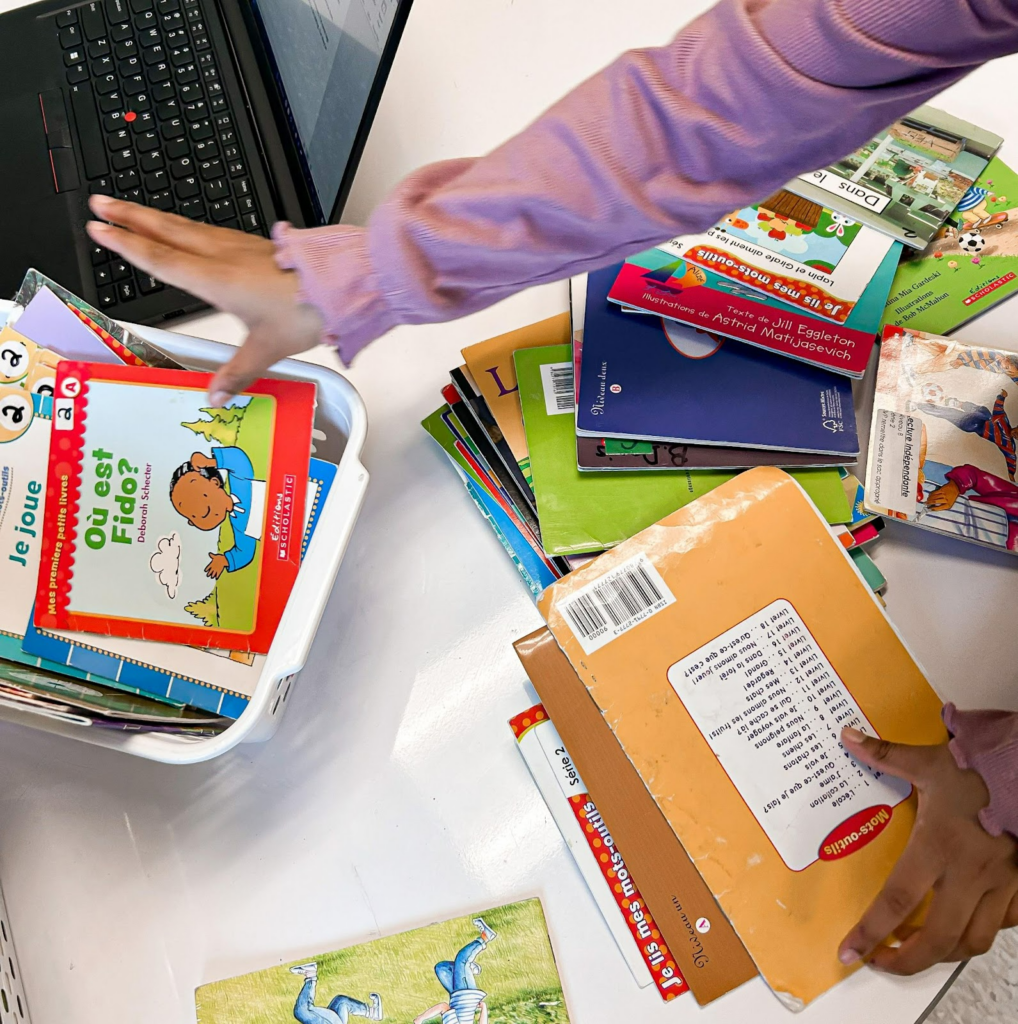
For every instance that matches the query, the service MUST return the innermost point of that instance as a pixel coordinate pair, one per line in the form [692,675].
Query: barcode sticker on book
[559,395]
[612,605]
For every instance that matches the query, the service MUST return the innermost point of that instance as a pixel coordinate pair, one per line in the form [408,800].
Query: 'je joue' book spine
[167,520]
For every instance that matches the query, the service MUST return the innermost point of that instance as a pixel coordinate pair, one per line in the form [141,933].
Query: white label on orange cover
[559,392]
[896,455]
[772,707]
[568,777]
[853,191]
[616,602]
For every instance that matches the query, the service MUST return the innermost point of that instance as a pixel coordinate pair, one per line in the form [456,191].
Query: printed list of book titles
[772,707]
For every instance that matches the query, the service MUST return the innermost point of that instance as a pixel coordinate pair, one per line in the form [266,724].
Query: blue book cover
[169,672]
[651,378]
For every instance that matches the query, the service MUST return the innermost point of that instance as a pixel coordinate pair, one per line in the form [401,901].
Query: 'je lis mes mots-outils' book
[167,520]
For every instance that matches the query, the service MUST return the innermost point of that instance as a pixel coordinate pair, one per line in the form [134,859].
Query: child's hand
[228,269]
[217,566]
[973,875]
[944,497]
[202,461]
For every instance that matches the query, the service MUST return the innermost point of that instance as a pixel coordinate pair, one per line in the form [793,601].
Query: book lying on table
[658,282]
[585,512]
[726,648]
[169,521]
[908,179]
[596,854]
[803,254]
[942,442]
[647,378]
[218,681]
[970,266]
[497,965]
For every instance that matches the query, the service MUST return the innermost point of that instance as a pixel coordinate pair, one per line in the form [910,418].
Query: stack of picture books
[676,389]
[150,542]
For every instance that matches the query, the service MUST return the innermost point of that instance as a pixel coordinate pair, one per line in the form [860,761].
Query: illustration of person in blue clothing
[339,1011]
[466,1001]
[198,490]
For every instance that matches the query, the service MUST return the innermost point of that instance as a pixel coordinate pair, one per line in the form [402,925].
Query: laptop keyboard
[154,123]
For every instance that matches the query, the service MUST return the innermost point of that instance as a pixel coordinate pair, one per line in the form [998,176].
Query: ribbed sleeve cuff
[987,742]
[336,276]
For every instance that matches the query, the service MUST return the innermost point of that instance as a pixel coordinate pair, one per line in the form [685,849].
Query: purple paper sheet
[49,323]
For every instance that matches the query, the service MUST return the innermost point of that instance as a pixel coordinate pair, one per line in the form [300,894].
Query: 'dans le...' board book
[801,253]
[970,266]
[908,179]
[647,378]
[169,521]
[598,857]
[942,442]
[750,640]
[495,965]
[656,281]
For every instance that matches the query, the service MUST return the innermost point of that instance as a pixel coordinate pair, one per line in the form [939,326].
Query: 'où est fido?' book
[168,520]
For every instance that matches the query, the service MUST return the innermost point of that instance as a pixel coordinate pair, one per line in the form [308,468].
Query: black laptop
[231,112]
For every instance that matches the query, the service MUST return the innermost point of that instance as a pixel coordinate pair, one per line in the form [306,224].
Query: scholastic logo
[281,519]
[856,832]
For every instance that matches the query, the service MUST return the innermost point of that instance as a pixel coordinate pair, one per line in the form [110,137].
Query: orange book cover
[726,647]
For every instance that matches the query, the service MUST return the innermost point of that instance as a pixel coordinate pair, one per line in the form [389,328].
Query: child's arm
[435,1011]
[234,461]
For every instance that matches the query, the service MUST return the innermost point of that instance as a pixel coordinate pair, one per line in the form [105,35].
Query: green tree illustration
[207,611]
[223,425]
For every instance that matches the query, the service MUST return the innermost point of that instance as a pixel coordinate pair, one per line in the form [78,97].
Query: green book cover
[969,267]
[585,512]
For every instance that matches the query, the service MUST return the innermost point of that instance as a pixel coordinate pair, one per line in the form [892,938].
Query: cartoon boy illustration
[339,1011]
[977,419]
[989,490]
[465,1001]
[198,492]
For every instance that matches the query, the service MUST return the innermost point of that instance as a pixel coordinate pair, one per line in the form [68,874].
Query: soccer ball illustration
[971,242]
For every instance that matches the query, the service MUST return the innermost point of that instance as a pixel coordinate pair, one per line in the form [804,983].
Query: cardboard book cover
[496,965]
[907,179]
[698,937]
[659,282]
[726,647]
[803,254]
[491,365]
[970,266]
[942,449]
[596,854]
[649,378]
[167,520]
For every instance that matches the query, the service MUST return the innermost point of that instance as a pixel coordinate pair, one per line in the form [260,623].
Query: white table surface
[393,795]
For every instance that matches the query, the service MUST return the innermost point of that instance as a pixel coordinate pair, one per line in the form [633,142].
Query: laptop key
[181,55]
[144,122]
[182,168]
[172,22]
[193,208]
[215,190]
[77,73]
[116,10]
[68,17]
[152,161]
[101,187]
[102,277]
[103,66]
[126,48]
[167,6]
[69,37]
[195,111]
[250,222]
[118,33]
[140,6]
[154,54]
[200,41]
[147,284]
[162,92]
[169,109]
[113,122]
[217,103]
[99,47]
[189,93]
[246,204]
[106,83]
[162,201]
[120,139]
[133,195]
[110,102]
[210,170]
[92,21]
[150,37]
[235,168]
[242,187]
[157,181]
[206,150]
[93,152]
[146,21]
[184,75]
[107,297]
[176,148]
[147,142]
[123,161]
[187,188]
[159,73]
[201,130]
[129,67]
[126,292]
[75,56]
[173,129]
[99,255]
[194,16]
[134,85]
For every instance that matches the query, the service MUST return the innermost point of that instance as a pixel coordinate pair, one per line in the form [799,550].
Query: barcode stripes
[562,387]
[618,600]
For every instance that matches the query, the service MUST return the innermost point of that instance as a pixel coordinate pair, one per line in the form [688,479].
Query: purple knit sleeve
[987,742]
[662,142]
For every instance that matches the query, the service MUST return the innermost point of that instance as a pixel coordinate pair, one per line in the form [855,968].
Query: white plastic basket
[340,427]
[13,1007]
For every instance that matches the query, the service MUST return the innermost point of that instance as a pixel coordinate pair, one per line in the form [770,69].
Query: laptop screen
[327,54]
